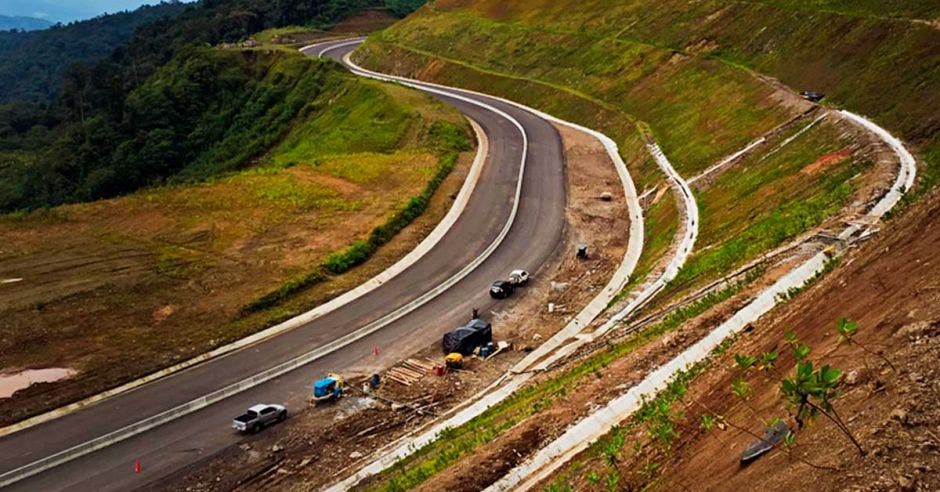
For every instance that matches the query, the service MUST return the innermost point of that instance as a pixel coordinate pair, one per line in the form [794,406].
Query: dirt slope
[892,288]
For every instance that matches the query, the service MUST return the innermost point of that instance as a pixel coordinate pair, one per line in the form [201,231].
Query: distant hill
[8,23]
[150,108]
[32,63]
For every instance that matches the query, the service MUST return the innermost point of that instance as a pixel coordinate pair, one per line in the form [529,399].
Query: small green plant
[593,477]
[744,362]
[810,390]
[847,330]
[767,360]
[649,468]
[800,349]
[740,388]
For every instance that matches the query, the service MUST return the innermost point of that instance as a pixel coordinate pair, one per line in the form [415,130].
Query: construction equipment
[454,360]
[328,388]
[467,338]
[582,252]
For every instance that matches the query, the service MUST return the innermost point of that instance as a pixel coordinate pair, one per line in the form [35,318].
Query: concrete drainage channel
[578,437]
[521,373]
[179,411]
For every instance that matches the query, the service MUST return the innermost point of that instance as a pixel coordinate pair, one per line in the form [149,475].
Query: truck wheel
[255,428]
[282,416]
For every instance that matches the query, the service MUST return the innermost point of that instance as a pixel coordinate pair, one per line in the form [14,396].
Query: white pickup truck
[258,416]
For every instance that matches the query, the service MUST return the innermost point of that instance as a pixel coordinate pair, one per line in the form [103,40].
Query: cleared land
[118,288]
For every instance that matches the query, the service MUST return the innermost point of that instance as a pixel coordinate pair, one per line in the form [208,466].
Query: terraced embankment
[793,174]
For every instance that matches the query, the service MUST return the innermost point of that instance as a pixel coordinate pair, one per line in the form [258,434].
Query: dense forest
[32,63]
[163,106]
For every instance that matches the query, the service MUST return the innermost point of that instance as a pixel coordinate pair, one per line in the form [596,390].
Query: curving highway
[495,233]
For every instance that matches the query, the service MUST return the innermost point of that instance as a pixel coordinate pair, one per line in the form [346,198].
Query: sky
[67,10]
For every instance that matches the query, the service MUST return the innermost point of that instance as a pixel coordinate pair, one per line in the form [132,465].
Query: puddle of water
[11,383]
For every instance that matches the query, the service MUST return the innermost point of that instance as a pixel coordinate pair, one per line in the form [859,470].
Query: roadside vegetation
[766,200]
[886,69]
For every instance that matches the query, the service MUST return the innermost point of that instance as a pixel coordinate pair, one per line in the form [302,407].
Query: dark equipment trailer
[468,337]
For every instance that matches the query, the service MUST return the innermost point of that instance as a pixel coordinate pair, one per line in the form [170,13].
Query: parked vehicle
[465,339]
[454,360]
[328,388]
[501,289]
[519,277]
[812,95]
[258,417]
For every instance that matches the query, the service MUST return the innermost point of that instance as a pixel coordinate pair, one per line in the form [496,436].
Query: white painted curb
[578,437]
[685,246]
[684,250]
[907,173]
[218,395]
[503,388]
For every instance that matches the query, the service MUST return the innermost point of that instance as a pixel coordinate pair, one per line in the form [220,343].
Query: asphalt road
[531,243]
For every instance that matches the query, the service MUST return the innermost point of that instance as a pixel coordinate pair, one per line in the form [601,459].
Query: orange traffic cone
[137,466]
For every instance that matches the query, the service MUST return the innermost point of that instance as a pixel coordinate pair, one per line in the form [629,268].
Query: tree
[402,8]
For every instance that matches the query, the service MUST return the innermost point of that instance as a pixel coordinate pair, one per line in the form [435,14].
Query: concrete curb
[684,250]
[508,384]
[578,437]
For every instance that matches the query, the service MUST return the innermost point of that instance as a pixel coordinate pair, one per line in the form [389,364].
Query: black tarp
[468,337]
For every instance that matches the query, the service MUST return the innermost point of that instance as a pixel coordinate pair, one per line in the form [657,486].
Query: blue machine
[328,388]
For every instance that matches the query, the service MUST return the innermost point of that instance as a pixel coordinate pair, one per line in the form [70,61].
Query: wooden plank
[397,379]
[404,374]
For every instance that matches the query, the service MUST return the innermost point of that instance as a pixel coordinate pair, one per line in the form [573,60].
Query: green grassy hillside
[205,112]
[686,69]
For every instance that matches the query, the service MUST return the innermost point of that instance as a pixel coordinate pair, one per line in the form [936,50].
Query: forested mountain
[19,23]
[160,106]
[32,63]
